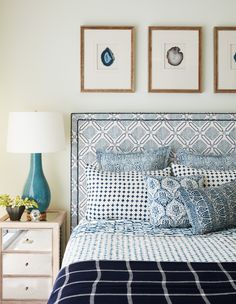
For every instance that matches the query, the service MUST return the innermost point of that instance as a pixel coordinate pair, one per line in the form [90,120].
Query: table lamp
[36,133]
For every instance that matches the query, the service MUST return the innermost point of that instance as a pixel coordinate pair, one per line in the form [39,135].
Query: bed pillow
[139,161]
[212,178]
[215,162]
[118,195]
[210,209]
[166,208]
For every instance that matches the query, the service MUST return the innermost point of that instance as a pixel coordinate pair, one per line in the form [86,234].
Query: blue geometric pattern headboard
[202,132]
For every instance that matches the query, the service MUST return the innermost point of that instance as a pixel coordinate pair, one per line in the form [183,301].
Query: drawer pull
[26,288]
[28,241]
[26,264]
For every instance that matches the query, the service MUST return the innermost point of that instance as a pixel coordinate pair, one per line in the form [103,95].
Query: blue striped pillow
[210,209]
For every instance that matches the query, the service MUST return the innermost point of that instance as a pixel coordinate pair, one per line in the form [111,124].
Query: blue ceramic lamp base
[36,186]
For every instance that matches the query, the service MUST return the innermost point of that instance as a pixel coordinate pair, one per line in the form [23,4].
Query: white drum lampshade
[35,132]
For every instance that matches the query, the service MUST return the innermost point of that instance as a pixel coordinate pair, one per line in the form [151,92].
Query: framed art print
[107,59]
[225,59]
[174,59]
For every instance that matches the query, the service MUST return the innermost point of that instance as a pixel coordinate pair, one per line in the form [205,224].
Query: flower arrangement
[8,201]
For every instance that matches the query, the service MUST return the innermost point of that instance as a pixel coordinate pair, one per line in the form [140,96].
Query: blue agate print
[107,57]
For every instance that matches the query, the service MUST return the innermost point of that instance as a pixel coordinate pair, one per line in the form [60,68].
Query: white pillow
[118,195]
[212,178]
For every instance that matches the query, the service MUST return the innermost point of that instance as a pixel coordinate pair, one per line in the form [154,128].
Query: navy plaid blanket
[136,282]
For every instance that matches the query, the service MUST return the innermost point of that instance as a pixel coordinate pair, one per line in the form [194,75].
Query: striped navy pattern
[135,282]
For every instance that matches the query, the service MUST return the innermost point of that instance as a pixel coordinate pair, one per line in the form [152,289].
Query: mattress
[140,241]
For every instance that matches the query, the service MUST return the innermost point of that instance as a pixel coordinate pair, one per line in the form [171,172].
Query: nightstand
[30,257]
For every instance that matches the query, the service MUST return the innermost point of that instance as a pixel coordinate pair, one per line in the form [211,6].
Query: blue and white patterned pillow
[118,195]
[212,178]
[166,208]
[215,162]
[138,161]
[210,209]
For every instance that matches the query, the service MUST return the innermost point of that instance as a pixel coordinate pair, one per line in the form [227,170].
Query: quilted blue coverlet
[139,282]
[141,241]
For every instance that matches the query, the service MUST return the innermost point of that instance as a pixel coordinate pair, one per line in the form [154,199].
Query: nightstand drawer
[32,240]
[27,288]
[27,264]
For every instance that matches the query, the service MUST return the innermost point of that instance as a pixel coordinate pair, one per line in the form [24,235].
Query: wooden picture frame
[174,59]
[225,59]
[107,59]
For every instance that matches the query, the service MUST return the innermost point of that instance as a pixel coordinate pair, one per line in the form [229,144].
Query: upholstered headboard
[201,132]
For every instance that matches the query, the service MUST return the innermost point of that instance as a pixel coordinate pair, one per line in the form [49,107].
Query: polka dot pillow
[118,195]
[212,178]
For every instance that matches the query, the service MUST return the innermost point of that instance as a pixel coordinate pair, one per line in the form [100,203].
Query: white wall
[40,68]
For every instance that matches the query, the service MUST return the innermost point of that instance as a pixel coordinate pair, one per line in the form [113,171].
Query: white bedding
[136,240]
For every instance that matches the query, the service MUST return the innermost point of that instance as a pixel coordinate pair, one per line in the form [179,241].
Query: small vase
[15,213]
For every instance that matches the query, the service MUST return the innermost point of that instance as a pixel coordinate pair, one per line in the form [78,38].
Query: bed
[130,260]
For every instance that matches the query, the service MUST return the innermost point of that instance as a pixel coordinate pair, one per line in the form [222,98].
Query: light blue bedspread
[137,240]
